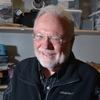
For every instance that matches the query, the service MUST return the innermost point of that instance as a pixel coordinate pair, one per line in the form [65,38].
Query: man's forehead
[51,21]
[51,18]
[48,16]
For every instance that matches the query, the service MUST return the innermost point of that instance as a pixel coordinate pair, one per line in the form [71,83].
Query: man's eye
[56,39]
[39,36]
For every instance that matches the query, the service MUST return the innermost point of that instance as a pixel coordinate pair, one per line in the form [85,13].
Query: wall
[87,48]
[18,45]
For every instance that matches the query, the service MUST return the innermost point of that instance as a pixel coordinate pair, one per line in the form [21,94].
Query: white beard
[50,63]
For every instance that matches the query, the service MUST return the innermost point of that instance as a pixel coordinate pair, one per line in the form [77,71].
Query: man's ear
[32,36]
[72,42]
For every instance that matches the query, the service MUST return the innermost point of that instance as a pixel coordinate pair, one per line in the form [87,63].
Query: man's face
[49,53]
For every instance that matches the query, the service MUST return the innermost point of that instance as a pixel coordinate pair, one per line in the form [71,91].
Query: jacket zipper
[60,85]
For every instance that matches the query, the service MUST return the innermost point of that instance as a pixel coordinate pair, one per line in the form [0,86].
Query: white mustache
[47,51]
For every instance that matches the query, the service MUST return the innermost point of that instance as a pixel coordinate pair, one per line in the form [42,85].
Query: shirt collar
[55,75]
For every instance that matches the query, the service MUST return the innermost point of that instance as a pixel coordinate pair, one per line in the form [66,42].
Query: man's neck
[49,71]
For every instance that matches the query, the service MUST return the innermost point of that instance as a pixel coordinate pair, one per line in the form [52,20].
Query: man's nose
[46,44]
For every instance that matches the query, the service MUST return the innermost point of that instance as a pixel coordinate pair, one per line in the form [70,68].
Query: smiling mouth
[48,55]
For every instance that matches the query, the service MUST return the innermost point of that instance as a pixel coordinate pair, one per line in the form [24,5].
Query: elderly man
[54,74]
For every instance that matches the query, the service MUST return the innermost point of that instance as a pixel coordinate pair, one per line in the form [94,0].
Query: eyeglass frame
[49,37]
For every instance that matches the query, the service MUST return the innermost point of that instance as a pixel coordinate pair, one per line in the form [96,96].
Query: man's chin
[47,64]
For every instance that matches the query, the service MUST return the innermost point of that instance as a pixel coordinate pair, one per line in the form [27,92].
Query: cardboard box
[95,65]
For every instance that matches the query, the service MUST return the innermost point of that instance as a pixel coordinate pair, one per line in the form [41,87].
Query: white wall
[18,45]
[87,48]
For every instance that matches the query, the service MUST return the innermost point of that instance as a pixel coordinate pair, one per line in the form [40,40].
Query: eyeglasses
[54,40]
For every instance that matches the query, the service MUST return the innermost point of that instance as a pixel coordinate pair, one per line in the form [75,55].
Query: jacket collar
[70,74]
[69,71]
[30,74]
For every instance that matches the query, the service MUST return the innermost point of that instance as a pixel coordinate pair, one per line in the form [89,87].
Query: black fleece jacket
[79,81]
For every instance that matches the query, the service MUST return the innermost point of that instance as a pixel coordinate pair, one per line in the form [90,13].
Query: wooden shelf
[30,30]
[3,87]
[16,30]
[87,32]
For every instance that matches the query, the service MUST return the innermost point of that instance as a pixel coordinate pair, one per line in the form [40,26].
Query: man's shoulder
[86,69]
[26,62]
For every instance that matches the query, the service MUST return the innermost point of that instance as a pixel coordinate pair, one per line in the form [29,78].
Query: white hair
[58,12]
